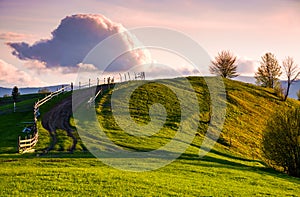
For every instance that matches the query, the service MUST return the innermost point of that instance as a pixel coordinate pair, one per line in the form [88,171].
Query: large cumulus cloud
[73,39]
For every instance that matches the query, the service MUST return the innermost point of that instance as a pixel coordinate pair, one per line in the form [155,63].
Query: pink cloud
[10,76]
[247,66]
[12,36]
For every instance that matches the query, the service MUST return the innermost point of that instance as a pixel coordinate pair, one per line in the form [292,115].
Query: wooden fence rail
[26,145]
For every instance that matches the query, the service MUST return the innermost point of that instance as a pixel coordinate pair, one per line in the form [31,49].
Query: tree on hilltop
[15,93]
[269,71]
[292,73]
[224,65]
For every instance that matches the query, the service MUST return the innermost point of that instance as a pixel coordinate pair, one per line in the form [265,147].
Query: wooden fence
[29,142]
[26,145]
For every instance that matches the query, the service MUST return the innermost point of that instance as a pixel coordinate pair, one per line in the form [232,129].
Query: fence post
[89,82]
[30,141]
[19,139]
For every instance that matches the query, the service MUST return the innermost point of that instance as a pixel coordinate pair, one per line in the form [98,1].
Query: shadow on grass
[213,162]
[208,161]
[211,159]
[52,154]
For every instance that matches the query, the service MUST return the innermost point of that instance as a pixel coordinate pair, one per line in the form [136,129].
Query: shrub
[279,91]
[281,141]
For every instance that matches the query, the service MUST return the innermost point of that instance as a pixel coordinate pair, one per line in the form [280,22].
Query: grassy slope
[221,172]
[248,109]
[11,123]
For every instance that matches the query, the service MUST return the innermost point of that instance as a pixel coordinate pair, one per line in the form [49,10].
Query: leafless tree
[291,71]
[224,65]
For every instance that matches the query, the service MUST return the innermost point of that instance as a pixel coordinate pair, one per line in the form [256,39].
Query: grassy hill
[232,168]
[12,123]
[248,109]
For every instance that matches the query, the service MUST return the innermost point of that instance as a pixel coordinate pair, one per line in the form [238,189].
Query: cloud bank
[12,36]
[247,66]
[10,76]
[73,39]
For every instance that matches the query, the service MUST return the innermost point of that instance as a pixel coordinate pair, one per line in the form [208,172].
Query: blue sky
[247,28]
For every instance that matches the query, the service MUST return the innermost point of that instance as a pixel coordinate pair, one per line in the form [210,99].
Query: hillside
[248,109]
[232,168]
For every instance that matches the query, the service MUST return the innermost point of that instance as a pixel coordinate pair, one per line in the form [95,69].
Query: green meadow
[234,167]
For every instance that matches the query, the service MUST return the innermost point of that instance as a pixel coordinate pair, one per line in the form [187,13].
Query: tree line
[267,74]
[281,136]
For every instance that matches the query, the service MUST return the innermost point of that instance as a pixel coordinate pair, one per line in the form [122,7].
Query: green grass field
[217,174]
[234,167]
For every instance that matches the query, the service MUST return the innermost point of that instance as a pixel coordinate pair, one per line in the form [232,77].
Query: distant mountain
[29,90]
[295,87]
[245,79]
[4,91]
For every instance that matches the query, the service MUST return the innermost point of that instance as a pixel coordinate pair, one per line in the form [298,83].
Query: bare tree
[291,71]
[269,71]
[224,65]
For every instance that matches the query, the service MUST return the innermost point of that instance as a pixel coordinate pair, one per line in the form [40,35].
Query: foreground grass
[217,174]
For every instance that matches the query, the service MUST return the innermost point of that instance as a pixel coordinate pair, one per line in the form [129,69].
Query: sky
[43,43]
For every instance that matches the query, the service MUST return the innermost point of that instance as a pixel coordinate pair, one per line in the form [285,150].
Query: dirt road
[59,118]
